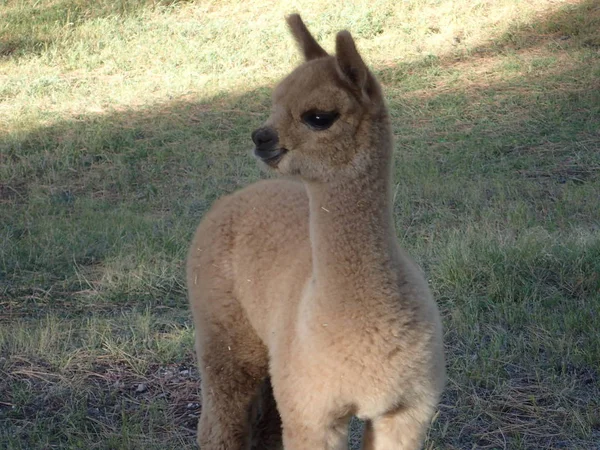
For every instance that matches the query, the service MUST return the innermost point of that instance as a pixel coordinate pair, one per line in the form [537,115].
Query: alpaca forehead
[314,84]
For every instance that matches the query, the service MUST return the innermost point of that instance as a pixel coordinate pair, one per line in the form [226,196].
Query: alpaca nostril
[264,137]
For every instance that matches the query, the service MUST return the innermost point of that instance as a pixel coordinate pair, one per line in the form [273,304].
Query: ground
[122,121]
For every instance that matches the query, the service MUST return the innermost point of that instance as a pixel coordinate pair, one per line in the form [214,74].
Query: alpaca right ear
[309,46]
[349,63]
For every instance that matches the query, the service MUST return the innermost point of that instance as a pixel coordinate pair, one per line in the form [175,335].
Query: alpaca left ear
[308,44]
[349,63]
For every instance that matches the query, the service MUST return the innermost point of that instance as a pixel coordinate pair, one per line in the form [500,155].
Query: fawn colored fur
[300,284]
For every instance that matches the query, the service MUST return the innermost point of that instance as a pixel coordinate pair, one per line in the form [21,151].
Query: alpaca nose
[265,137]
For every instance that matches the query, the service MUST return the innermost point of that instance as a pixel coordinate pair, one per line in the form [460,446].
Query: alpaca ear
[309,46]
[349,63]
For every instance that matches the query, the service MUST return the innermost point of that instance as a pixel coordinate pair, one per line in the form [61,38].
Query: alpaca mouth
[270,157]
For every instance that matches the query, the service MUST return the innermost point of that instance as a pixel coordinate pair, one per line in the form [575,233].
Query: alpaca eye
[319,120]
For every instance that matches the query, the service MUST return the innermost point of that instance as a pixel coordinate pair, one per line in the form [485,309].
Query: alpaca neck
[352,232]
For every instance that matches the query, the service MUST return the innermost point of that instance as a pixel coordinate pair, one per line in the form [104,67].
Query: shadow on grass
[90,200]
[576,25]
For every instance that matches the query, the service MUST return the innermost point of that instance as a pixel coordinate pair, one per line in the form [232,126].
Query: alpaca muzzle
[267,150]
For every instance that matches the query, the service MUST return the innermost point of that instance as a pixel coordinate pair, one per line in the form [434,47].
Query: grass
[122,121]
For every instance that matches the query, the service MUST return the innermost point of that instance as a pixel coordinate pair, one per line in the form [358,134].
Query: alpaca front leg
[311,417]
[317,435]
[403,429]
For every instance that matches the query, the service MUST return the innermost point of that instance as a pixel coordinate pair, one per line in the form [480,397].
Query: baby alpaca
[301,284]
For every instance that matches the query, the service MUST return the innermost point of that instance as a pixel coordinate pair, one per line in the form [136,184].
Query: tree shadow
[575,25]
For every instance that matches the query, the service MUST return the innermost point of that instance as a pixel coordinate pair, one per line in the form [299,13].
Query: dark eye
[319,120]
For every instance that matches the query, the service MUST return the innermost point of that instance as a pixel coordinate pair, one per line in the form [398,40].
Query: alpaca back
[256,243]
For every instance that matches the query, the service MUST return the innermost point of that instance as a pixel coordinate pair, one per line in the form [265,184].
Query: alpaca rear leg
[238,413]
[404,429]
[225,418]
[233,364]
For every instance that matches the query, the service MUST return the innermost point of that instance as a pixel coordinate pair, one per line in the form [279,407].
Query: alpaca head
[328,116]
